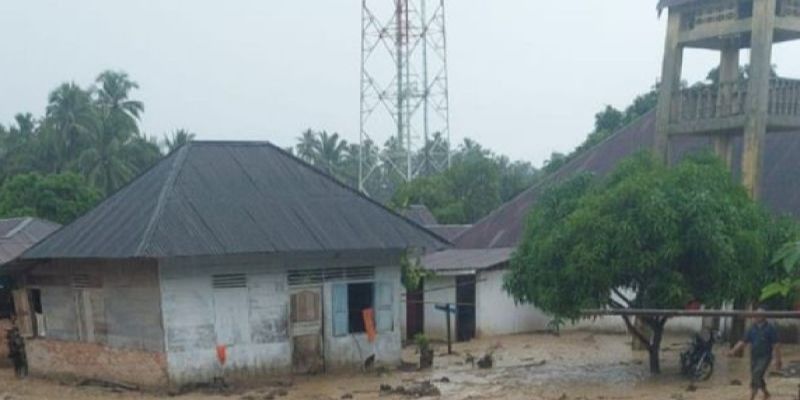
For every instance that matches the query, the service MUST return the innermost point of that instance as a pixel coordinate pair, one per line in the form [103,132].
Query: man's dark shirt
[762,338]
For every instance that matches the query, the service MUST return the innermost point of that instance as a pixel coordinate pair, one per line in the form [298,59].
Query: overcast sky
[526,76]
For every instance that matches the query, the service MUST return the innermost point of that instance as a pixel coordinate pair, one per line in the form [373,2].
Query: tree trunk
[655,348]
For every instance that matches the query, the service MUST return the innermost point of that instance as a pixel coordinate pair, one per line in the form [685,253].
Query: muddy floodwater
[572,366]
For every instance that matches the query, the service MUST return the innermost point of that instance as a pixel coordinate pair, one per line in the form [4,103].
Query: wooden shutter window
[340,313]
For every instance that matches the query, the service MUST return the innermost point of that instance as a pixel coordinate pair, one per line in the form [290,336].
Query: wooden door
[306,332]
[415,312]
[465,314]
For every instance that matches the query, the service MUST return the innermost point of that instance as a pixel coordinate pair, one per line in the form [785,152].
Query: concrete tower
[751,105]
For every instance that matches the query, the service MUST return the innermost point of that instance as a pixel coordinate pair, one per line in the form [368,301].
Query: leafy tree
[788,259]
[476,183]
[647,236]
[58,197]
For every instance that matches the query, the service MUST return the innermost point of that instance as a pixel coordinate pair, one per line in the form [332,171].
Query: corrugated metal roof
[19,234]
[449,232]
[210,198]
[420,214]
[465,260]
[780,181]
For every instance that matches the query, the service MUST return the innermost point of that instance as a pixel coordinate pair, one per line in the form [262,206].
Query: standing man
[764,349]
[16,350]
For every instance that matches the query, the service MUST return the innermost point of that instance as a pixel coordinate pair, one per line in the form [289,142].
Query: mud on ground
[573,366]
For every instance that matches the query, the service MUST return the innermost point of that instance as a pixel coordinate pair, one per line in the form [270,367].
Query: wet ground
[573,366]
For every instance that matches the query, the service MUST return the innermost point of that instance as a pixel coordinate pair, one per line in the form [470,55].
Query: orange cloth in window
[222,354]
[369,323]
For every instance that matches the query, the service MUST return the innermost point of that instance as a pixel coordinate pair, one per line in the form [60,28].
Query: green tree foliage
[787,284]
[647,236]
[56,197]
[477,182]
[92,133]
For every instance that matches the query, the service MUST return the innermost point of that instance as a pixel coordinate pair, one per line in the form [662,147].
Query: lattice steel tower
[404,97]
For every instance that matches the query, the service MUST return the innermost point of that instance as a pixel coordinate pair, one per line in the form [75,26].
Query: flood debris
[416,390]
[486,362]
[117,387]
[736,382]
[347,396]
[217,386]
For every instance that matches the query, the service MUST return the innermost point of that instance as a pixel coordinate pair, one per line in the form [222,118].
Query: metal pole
[693,313]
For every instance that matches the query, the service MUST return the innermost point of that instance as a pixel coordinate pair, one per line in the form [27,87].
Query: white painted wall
[189,319]
[262,337]
[496,312]
[346,352]
[439,289]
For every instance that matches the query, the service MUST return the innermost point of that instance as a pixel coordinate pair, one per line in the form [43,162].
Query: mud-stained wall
[121,336]
[257,319]
[439,290]
[496,311]
[125,301]
[252,322]
[58,358]
[352,350]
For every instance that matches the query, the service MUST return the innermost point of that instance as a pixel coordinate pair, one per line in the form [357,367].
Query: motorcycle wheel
[704,371]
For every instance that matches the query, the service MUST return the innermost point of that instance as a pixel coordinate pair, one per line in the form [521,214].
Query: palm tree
[110,160]
[177,139]
[113,95]
[71,118]
[307,144]
[329,152]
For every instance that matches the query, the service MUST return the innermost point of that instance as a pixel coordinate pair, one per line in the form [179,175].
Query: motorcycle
[697,362]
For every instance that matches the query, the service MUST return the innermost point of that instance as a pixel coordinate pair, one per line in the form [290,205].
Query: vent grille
[229,281]
[316,276]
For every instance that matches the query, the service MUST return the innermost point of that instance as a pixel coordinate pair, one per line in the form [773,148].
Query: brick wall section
[54,358]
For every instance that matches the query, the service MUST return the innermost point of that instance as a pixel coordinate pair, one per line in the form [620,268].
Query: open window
[351,299]
[360,296]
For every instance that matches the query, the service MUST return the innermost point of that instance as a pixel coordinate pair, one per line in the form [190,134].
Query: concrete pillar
[670,82]
[758,93]
[728,73]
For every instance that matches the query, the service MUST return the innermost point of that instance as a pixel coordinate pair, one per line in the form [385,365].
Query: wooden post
[757,106]
[670,82]
[449,336]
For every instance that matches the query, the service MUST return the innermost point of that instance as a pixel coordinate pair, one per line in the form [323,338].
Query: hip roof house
[224,260]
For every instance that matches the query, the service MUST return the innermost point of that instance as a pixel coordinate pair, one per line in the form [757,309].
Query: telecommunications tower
[405,129]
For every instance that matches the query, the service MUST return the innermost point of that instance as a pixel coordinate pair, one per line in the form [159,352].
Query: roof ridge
[357,192]
[551,176]
[177,166]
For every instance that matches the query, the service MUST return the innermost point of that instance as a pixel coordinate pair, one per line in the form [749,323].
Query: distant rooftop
[18,234]
[420,214]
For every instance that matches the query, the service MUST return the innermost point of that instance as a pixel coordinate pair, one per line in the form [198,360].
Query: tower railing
[701,103]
